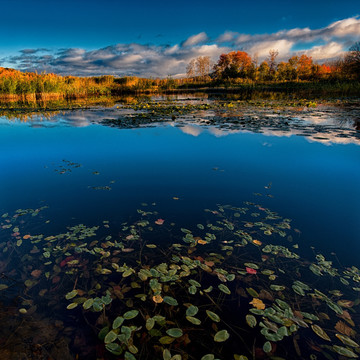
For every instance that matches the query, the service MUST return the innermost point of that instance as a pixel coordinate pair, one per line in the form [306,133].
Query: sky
[159,38]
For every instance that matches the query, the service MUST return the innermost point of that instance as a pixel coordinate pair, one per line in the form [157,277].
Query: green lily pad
[208,357]
[129,356]
[267,347]
[221,336]
[170,301]
[71,294]
[114,348]
[130,314]
[118,322]
[213,316]
[344,351]
[110,337]
[251,320]
[165,340]
[88,304]
[192,310]
[175,332]
[320,332]
[150,322]
[224,289]
[72,306]
[193,320]
[346,340]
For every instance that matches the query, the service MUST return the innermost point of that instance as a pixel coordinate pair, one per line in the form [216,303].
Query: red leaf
[250,270]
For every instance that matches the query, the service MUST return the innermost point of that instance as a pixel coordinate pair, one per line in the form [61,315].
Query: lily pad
[170,301]
[175,332]
[251,320]
[221,336]
[213,316]
[320,332]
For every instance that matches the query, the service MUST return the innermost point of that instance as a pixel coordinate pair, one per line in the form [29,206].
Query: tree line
[239,65]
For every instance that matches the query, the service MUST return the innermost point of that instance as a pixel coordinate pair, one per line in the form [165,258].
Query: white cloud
[262,49]
[195,39]
[325,52]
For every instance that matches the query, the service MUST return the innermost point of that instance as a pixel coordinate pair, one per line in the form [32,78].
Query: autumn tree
[284,71]
[263,71]
[304,67]
[236,64]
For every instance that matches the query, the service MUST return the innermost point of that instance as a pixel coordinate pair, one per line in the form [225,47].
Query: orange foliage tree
[236,64]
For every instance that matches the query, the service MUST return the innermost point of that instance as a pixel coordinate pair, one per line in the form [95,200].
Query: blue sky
[147,38]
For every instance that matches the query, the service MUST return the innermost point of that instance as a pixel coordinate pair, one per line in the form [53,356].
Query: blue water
[314,183]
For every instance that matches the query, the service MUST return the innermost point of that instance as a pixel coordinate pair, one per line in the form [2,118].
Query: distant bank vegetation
[234,70]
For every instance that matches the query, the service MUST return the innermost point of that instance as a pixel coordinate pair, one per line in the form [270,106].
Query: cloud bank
[151,60]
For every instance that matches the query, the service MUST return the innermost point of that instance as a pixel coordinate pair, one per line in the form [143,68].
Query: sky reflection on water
[313,184]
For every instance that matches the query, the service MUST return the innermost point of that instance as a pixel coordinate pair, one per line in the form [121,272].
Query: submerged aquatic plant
[158,291]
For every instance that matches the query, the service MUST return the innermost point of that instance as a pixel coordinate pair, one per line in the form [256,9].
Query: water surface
[90,166]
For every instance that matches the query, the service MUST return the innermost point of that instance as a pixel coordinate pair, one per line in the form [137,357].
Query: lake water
[162,163]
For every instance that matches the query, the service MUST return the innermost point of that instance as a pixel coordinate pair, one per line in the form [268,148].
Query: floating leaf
[130,314]
[165,340]
[88,304]
[252,292]
[343,328]
[202,242]
[176,357]
[267,347]
[252,266]
[251,320]
[347,341]
[213,316]
[221,336]
[170,300]
[277,287]
[192,310]
[71,294]
[110,337]
[193,320]
[72,306]
[208,357]
[334,307]
[344,351]
[166,354]
[118,322]
[320,332]
[129,356]
[150,322]
[114,348]
[258,304]
[3,286]
[175,332]
[250,270]
[224,289]
[192,290]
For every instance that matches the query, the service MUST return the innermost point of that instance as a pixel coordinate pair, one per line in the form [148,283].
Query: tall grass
[15,84]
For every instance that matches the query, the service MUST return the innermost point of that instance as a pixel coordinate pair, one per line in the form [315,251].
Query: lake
[193,227]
